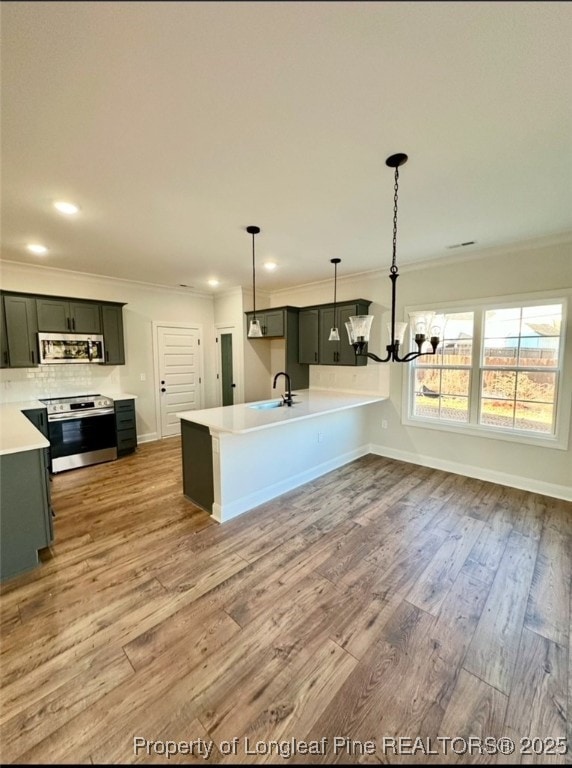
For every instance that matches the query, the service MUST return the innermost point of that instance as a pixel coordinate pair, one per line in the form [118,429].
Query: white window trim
[559,440]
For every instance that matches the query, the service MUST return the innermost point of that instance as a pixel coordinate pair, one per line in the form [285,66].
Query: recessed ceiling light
[270,265]
[66,208]
[36,248]
[213,282]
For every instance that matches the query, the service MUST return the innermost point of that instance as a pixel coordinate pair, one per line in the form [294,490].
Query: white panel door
[179,375]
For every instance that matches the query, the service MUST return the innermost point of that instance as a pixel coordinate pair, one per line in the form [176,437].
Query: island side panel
[197,464]
[257,466]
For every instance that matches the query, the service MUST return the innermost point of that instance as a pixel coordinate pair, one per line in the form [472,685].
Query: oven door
[78,440]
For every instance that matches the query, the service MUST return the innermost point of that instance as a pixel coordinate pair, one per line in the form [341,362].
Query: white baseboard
[149,437]
[246,503]
[502,478]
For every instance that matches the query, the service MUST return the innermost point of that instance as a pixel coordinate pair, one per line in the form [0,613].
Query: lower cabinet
[26,520]
[126,426]
[198,483]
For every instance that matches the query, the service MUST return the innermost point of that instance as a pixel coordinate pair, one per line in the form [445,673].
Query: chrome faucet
[287,397]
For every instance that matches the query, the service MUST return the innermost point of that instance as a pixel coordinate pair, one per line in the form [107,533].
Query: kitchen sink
[265,406]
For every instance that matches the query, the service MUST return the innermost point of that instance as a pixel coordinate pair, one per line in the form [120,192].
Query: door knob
[162,382]
[233,385]
[163,389]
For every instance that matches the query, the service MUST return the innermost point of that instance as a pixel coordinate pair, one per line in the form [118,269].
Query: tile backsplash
[367,379]
[20,384]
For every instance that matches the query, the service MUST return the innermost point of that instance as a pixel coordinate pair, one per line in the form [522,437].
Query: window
[497,371]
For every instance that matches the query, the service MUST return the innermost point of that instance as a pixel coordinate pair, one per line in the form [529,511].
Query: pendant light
[359,326]
[334,333]
[254,331]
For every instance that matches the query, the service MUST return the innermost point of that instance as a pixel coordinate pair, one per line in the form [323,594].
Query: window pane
[497,413]
[542,321]
[442,394]
[502,322]
[456,341]
[538,351]
[499,384]
[501,351]
[532,386]
[455,382]
[536,417]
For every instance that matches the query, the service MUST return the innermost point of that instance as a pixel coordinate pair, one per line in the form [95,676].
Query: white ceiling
[176,125]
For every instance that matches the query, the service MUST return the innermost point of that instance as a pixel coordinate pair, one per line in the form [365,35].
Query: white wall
[257,355]
[522,269]
[144,304]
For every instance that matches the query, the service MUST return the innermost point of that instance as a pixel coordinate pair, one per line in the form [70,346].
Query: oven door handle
[80,414]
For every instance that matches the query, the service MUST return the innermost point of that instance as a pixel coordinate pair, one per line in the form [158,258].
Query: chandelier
[359,326]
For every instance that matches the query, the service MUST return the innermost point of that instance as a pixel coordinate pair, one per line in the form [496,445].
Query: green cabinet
[20,346]
[57,315]
[26,520]
[309,334]
[272,322]
[315,326]
[282,323]
[22,315]
[112,324]
[126,426]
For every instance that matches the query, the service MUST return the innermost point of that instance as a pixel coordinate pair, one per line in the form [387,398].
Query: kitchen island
[239,456]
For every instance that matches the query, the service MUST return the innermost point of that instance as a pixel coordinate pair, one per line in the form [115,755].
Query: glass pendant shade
[334,335]
[400,329]
[422,322]
[359,328]
[255,331]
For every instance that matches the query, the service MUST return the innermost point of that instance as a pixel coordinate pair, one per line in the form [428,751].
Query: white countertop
[17,433]
[308,403]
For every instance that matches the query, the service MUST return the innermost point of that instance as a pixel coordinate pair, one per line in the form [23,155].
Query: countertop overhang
[308,403]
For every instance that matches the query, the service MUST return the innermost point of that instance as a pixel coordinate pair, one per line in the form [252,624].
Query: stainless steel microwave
[70,348]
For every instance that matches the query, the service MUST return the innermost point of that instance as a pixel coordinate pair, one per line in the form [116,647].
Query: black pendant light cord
[253,280]
[253,230]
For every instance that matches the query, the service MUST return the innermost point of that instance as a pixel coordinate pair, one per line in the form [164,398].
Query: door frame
[156,324]
[237,365]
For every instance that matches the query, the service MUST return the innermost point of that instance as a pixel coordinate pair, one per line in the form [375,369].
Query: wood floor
[380,601]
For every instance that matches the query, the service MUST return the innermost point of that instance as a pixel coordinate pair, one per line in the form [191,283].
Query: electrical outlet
[320,437]
[143,376]
[384,424]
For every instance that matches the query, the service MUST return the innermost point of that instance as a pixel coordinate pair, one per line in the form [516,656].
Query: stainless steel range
[81,431]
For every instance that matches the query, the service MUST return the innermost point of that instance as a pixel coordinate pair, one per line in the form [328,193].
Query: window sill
[472,430]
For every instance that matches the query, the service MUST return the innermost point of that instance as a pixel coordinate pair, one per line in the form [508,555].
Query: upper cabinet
[309,335]
[23,315]
[20,332]
[272,322]
[282,323]
[55,315]
[112,322]
[315,326]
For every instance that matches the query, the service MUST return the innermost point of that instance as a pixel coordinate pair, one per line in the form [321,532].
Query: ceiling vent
[462,245]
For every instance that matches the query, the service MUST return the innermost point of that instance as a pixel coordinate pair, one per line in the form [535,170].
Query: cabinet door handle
[5,358]
[73,324]
[315,357]
[163,389]
[106,356]
[33,357]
